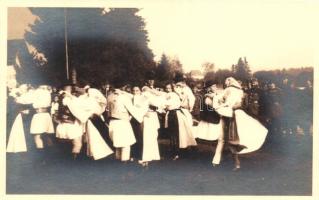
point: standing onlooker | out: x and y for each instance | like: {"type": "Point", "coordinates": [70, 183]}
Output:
{"type": "Point", "coordinates": [198, 105]}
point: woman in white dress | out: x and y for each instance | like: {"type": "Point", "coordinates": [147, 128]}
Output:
{"type": "Point", "coordinates": [22, 97]}
{"type": "Point", "coordinates": [139, 101]}
{"type": "Point", "coordinates": [211, 127]}
{"type": "Point", "coordinates": [151, 126]}
{"type": "Point", "coordinates": [178, 124]}
{"type": "Point", "coordinates": [243, 133]}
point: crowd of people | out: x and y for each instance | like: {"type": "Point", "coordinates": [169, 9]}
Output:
{"type": "Point", "coordinates": [128, 120]}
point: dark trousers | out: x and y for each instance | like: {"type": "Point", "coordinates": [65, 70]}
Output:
{"type": "Point", "coordinates": [173, 130]}
{"type": "Point", "coordinates": [137, 148]}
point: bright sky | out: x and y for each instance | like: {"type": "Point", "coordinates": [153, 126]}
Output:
{"type": "Point", "coordinates": [270, 33]}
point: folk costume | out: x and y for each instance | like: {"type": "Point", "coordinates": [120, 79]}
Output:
{"type": "Point", "coordinates": [151, 127]}
{"type": "Point", "coordinates": [243, 133]}
{"type": "Point", "coordinates": [121, 108]}
{"type": "Point", "coordinates": [41, 121]}
{"type": "Point", "coordinates": [23, 102]}
{"type": "Point", "coordinates": [82, 109]}
{"type": "Point", "coordinates": [69, 127]}
{"type": "Point", "coordinates": [178, 124]}
{"type": "Point", "coordinates": [211, 126]}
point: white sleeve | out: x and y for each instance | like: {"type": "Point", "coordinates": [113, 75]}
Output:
{"type": "Point", "coordinates": [191, 97]}
{"type": "Point", "coordinates": [134, 111]}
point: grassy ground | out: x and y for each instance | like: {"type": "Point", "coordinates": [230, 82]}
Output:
{"type": "Point", "coordinates": [282, 167]}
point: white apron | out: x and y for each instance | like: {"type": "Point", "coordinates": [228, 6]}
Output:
{"type": "Point", "coordinates": [208, 131]}
{"type": "Point", "coordinates": [150, 134]}
{"type": "Point", "coordinates": [69, 130]}
{"type": "Point", "coordinates": [121, 133]}
{"type": "Point", "coordinates": [41, 123]}
{"type": "Point", "coordinates": [17, 142]}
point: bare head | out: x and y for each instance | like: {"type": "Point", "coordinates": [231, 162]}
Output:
{"type": "Point", "coordinates": [136, 90]}
{"type": "Point", "coordinates": [169, 88]}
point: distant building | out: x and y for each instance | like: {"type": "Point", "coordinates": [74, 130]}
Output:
{"type": "Point", "coordinates": [196, 74]}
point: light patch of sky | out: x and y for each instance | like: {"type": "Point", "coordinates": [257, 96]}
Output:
{"type": "Point", "coordinates": [271, 35]}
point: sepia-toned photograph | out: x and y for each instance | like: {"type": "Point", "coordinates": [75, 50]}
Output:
{"type": "Point", "coordinates": [212, 98]}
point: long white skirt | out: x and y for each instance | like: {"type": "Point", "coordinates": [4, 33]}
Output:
{"type": "Point", "coordinates": [96, 146]}
{"type": "Point", "coordinates": [121, 133]}
{"type": "Point", "coordinates": [185, 128]}
{"type": "Point", "coordinates": [186, 135]}
{"type": "Point", "coordinates": [251, 133]}
{"type": "Point", "coordinates": [208, 131]}
{"type": "Point", "coordinates": [17, 142]}
{"type": "Point", "coordinates": [69, 130]}
{"type": "Point", "coordinates": [41, 123]}
{"type": "Point", "coordinates": [150, 134]}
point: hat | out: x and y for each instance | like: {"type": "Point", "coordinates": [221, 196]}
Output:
{"type": "Point", "coordinates": [209, 83]}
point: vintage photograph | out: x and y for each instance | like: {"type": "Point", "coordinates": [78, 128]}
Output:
{"type": "Point", "coordinates": [208, 98]}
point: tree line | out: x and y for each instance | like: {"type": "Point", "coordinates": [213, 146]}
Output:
{"type": "Point", "coordinates": [107, 45]}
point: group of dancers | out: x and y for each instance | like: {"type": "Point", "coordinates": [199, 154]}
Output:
{"type": "Point", "coordinates": [127, 124]}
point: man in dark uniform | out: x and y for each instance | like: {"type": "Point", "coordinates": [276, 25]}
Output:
{"type": "Point", "coordinates": [274, 108]}
{"type": "Point", "coordinates": [254, 94]}
{"type": "Point", "coordinates": [198, 105]}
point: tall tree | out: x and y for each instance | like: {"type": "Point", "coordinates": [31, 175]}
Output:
{"type": "Point", "coordinates": [163, 70]}
{"type": "Point", "coordinates": [241, 70]}
{"type": "Point", "coordinates": [176, 65]}
{"type": "Point", "coordinates": [101, 46]}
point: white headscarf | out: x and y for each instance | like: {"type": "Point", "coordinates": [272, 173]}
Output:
{"type": "Point", "coordinates": [232, 82]}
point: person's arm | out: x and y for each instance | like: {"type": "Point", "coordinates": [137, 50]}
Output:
{"type": "Point", "coordinates": [191, 98]}
{"type": "Point", "coordinates": [137, 113]}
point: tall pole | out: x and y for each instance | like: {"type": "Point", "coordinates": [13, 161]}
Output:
{"type": "Point", "coordinates": [66, 45]}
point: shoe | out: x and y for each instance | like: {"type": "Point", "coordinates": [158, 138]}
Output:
{"type": "Point", "coordinates": [237, 167]}
{"type": "Point", "coordinates": [215, 165]}
{"type": "Point", "coordinates": [145, 164]}
{"type": "Point", "coordinates": [74, 156]}
{"type": "Point", "coordinates": [176, 157]}
{"type": "Point", "coordinates": [125, 162]}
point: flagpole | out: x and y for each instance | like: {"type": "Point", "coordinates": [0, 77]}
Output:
{"type": "Point", "coordinates": [66, 45]}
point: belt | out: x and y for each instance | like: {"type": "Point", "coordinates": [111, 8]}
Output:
{"type": "Point", "coordinates": [41, 110]}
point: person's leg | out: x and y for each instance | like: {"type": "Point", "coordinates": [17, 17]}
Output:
{"type": "Point", "coordinates": [49, 139]}
{"type": "Point", "coordinates": [118, 153]}
{"type": "Point", "coordinates": [38, 141]}
{"type": "Point", "coordinates": [77, 145]}
{"type": "Point", "coordinates": [218, 152]}
{"type": "Point", "coordinates": [237, 162]}
{"type": "Point", "coordinates": [126, 152]}
{"type": "Point", "coordinates": [235, 155]}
